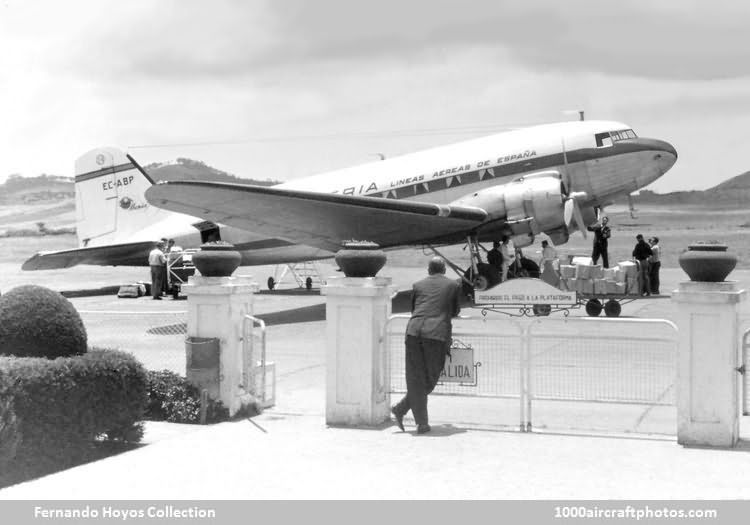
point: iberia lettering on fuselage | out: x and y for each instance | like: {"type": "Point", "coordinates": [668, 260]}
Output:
{"type": "Point", "coordinates": [372, 187]}
{"type": "Point", "coordinates": [111, 185]}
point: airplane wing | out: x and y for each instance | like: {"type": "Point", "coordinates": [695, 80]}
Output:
{"type": "Point", "coordinates": [130, 254]}
{"type": "Point", "coordinates": [323, 220]}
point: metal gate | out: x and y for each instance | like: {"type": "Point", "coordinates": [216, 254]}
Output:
{"type": "Point", "coordinates": [576, 373]}
{"type": "Point", "coordinates": [745, 376]}
{"type": "Point", "coordinates": [258, 375]}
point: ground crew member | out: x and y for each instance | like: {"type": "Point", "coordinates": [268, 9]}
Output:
{"type": "Point", "coordinates": [654, 265]}
{"type": "Point", "coordinates": [601, 236]}
{"type": "Point", "coordinates": [641, 253]}
{"type": "Point", "coordinates": [428, 339]}
{"type": "Point", "coordinates": [157, 261]}
{"type": "Point", "coordinates": [495, 259]}
{"type": "Point", "coordinates": [509, 254]}
{"type": "Point", "coordinates": [547, 264]}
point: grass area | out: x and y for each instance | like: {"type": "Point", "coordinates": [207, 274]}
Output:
{"type": "Point", "coordinates": [18, 249]}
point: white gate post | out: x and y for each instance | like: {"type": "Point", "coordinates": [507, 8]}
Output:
{"type": "Point", "coordinates": [357, 309]}
{"type": "Point", "coordinates": [217, 307]}
{"type": "Point", "coordinates": [707, 378]}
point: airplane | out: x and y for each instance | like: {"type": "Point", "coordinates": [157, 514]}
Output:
{"type": "Point", "coordinates": [550, 178]}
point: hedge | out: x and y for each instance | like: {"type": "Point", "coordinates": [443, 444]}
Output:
{"type": "Point", "coordinates": [172, 398]}
{"type": "Point", "coordinates": [38, 322]}
{"type": "Point", "coordinates": [63, 406]}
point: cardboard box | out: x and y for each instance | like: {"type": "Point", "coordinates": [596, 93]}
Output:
{"type": "Point", "coordinates": [600, 286]}
{"type": "Point", "coordinates": [597, 272]}
{"type": "Point", "coordinates": [582, 260]}
{"type": "Point", "coordinates": [588, 286]}
{"type": "Point", "coordinates": [632, 286]}
{"type": "Point", "coordinates": [567, 271]}
{"type": "Point", "coordinates": [629, 268]}
{"type": "Point", "coordinates": [610, 274]}
{"type": "Point", "coordinates": [615, 287]}
{"type": "Point", "coordinates": [583, 271]}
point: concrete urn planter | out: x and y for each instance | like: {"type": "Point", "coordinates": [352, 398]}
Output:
{"type": "Point", "coordinates": [707, 262]}
{"type": "Point", "coordinates": [217, 259]}
{"type": "Point", "coordinates": [360, 259]}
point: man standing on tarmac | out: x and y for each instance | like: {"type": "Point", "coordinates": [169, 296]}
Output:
{"type": "Point", "coordinates": [495, 259]}
{"type": "Point", "coordinates": [654, 265]}
{"type": "Point", "coordinates": [601, 240]}
{"type": "Point", "coordinates": [641, 253]}
{"type": "Point", "coordinates": [509, 254]}
{"type": "Point", "coordinates": [428, 339]}
{"type": "Point", "coordinates": [157, 261]}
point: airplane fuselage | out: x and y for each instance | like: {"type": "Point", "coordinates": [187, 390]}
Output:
{"type": "Point", "coordinates": [523, 180]}
{"type": "Point", "coordinates": [601, 168]}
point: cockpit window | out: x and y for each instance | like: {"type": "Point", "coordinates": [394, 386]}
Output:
{"type": "Point", "coordinates": [610, 137]}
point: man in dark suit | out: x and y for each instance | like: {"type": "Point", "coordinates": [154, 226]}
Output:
{"type": "Point", "coordinates": [495, 259]}
{"type": "Point", "coordinates": [428, 340]}
{"type": "Point", "coordinates": [602, 232]}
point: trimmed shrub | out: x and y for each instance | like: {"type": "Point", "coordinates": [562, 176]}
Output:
{"type": "Point", "coordinates": [172, 398]}
{"type": "Point", "coordinates": [39, 322]}
{"type": "Point", "coordinates": [10, 434]}
{"type": "Point", "coordinates": [64, 406]}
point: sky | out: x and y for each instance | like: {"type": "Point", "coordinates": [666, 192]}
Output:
{"type": "Point", "coordinates": [288, 88]}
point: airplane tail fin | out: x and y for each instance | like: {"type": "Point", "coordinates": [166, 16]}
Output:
{"type": "Point", "coordinates": [110, 202]}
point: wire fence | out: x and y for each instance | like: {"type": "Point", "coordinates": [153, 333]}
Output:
{"type": "Point", "coordinates": [156, 339]}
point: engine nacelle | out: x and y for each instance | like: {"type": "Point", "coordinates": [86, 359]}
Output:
{"type": "Point", "coordinates": [532, 204]}
{"type": "Point", "coordinates": [522, 241]}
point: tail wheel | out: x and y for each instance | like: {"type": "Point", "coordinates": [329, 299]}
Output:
{"type": "Point", "coordinates": [271, 283]}
{"type": "Point", "coordinates": [593, 307]}
{"type": "Point", "coordinates": [612, 308]}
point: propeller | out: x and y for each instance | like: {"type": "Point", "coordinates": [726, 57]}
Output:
{"type": "Point", "coordinates": [572, 212]}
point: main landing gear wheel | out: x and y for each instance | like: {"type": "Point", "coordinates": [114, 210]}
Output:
{"type": "Point", "coordinates": [486, 277]}
{"type": "Point", "coordinates": [612, 308]}
{"type": "Point", "coordinates": [542, 310]}
{"type": "Point", "coordinates": [593, 307]}
{"type": "Point", "coordinates": [308, 283]}
{"type": "Point", "coordinates": [271, 283]}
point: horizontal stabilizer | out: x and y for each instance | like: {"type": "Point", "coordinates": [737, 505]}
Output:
{"type": "Point", "coordinates": [130, 254]}
{"type": "Point", "coordinates": [323, 220]}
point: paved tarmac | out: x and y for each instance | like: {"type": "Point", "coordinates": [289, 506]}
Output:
{"type": "Point", "coordinates": [288, 452]}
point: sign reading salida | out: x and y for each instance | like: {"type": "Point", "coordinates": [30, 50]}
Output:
{"type": "Point", "coordinates": [459, 367]}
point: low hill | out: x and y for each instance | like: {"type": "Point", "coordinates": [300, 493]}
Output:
{"type": "Point", "coordinates": [188, 169]}
{"type": "Point", "coordinates": [47, 188]}
{"type": "Point", "coordinates": [44, 188]}
{"type": "Point", "coordinates": [732, 193]}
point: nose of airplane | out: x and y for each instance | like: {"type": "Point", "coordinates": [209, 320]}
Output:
{"type": "Point", "coordinates": [664, 153]}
